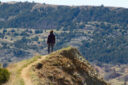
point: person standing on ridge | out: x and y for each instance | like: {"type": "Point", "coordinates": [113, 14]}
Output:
{"type": "Point", "coordinates": [51, 41]}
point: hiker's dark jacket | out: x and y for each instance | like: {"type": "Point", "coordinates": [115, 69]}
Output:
{"type": "Point", "coordinates": [51, 38]}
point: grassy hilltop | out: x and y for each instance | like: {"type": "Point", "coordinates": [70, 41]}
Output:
{"type": "Point", "coordinates": [63, 67]}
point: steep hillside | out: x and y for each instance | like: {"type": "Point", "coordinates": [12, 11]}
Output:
{"type": "Point", "coordinates": [63, 67]}
{"type": "Point", "coordinates": [34, 15]}
{"type": "Point", "coordinates": [100, 33]}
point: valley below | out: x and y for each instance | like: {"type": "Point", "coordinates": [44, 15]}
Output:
{"type": "Point", "coordinates": [114, 74]}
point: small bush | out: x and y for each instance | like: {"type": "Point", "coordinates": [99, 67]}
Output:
{"type": "Point", "coordinates": [4, 75]}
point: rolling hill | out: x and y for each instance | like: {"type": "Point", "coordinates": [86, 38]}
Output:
{"type": "Point", "coordinates": [100, 33]}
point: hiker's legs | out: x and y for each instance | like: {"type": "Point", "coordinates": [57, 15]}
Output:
{"type": "Point", "coordinates": [48, 48]}
{"type": "Point", "coordinates": [52, 46]}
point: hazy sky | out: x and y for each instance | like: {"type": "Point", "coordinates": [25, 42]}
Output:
{"type": "Point", "coordinates": [115, 3]}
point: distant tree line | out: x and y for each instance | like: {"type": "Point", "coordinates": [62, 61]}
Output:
{"type": "Point", "coordinates": [27, 15]}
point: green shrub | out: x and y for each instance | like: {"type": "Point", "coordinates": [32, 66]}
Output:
{"type": "Point", "coordinates": [4, 75]}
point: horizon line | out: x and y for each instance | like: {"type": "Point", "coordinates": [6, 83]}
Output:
{"type": "Point", "coordinates": [13, 2]}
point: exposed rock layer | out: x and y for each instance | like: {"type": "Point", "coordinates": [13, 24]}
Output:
{"type": "Point", "coordinates": [66, 67]}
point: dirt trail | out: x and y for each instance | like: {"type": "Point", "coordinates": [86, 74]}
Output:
{"type": "Point", "coordinates": [25, 72]}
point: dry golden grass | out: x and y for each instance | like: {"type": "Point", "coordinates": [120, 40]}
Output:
{"type": "Point", "coordinates": [15, 70]}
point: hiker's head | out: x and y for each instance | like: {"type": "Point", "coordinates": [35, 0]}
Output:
{"type": "Point", "coordinates": [51, 32]}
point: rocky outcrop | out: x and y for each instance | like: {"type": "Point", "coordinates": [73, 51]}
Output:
{"type": "Point", "coordinates": [65, 67]}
